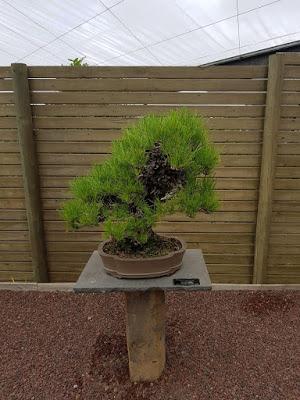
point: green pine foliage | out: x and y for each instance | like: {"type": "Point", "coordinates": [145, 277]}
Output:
{"type": "Point", "coordinates": [77, 62]}
{"type": "Point", "coordinates": [114, 193]}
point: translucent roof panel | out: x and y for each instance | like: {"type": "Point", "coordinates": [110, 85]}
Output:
{"type": "Point", "coordinates": [142, 32]}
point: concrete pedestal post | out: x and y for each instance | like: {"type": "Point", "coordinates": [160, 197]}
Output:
{"type": "Point", "coordinates": [145, 328]}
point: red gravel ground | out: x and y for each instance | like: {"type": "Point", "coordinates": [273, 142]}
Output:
{"type": "Point", "coordinates": [221, 345]}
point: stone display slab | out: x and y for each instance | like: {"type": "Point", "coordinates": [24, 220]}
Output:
{"type": "Point", "coordinates": [94, 279]}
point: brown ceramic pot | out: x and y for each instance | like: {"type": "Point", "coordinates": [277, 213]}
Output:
{"type": "Point", "coordinates": [134, 268]}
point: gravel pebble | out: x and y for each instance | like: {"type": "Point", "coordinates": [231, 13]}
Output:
{"type": "Point", "coordinates": [220, 346]}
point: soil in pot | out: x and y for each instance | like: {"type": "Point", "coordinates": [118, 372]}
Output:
{"type": "Point", "coordinates": [160, 256]}
{"type": "Point", "coordinates": [157, 246]}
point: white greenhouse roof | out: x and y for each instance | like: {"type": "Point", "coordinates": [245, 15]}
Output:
{"type": "Point", "coordinates": [142, 32]}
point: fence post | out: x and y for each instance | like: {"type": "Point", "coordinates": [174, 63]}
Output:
{"type": "Point", "coordinates": [29, 170]}
{"type": "Point", "coordinates": [268, 164]}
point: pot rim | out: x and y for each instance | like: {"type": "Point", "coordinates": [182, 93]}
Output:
{"type": "Point", "coordinates": [170, 254]}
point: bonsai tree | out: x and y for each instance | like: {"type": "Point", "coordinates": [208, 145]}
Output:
{"type": "Point", "coordinates": [161, 165]}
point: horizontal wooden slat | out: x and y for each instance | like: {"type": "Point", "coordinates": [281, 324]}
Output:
{"type": "Point", "coordinates": [292, 98]}
{"type": "Point", "coordinates": [63, 170]}
{"type": "Point", "coordinates": [105, 147]}
{"type": "Point", "coordinates": [287, 184]}
{"type": "Point", "coordinates": [237, 172]}
{"type": "Point", "coordinates": [285, 259]}
{"type": "Point", "coordinates": [285, 239]}
{"type": "Point", "coordinates": [282, 279]}
{"type": "Point", "coordinates": [290, 123]}
{"type": "Point", "coordinates": [109, 110]}
{"type": "Point", "coordinates": [284, 249]}
{"type": "Point", "coordinates": [287, 172]}
{"type": "Point", "coordinates": [9, 147]}
{"type": "Point", "coordinates": [6, 85]}
{"type": "Point", "coordinates": [286, 206]}
{"type": "Point", "coordinates": [285, 228]}
{"type": "Point", "coordinates": [147, 97]}
{"type": "Point", "coordinates": [228, 259]}
{"type": "Point", "coordinates": [14, 204]}
{"type": "Point", "coordinates": [77, 135]}
{"type": "Point", "coordinates": [235, 123]}
{"type": "Point", "coordinates": [74, 147]}
{"type": "Point", "coordinates": [8, 134]}
{"type": "Point", "coordinates": [11, 193]}
{"type": "Point", "coordinates": [289, 149]}
{"type": "Point", "coordinates": [132, 85]}
{"type": "Point", "coordinates": [291, 85]}
{"type": "Point", "coordinates": [13, 214]}
{"type": "Point", "coordinates": [11, 267]}
{"type": "Point", "coordinates": [6, 98]}
{"type": "Point", "coordinates": [72, 159]}
{"type": "Point", "coordinates": [95, 135]}
{"type": "Point", "coordinates": [291, 58]}
{"type": "Point", "coordinates": [7, 110]}
{"type": "Point", "coordinates": [122, 122]}
{"type": "Point", "coordinates": [292, 72]}
{"type": "Point", "coordinates": [234, 72]}
{"type": "Point", "coordinates": [5, 72]}
{"type": "Point", "coordinates": [231, 278]}
{"type": "Point", "coordinates": [286, 270]}
{"type": "Point", "coordinates": [10, 158]}
{"type": "Point", "coordinates": [16, 276]}
{"type": "Point", "coordinates": [65, 267]}
{"type": "Point", "coordinates": [57, 277]}
{"type": "Point", "coordinates": [286, 216]}
{"type": "Point", "coordinates": [13, 256]}
{"type": "Point", "coordinates": [13, 226]}
{"type": "Point", "coordinates": [8, 122]}
{"type": "Point", "coordinates": [288, 161]}
{"type": "Point", "coordinates": [11, 181]}
{"type": "Point", "coordinates": [82, 122]}
{"type": "Point", "coordinates": [289, 111]}
{"type": "Point", "coordinates": [284, 195]}
{"type": "Point", "coordinates": [14, 236]}
{"type": "Point", "coordinates": [229, 269]}
{"type": "Point", "coordinates": [242, 160]}
{"type": "Point", "coordinates": [14, 246]}
{"type": "Point", "coordinates": [289, 137]}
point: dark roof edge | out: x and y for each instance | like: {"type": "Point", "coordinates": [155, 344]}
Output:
{"type": "Point", "coordinates": [269, 50]}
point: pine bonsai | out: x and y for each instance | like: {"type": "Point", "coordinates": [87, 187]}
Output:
{"type": "Point", "coordinates": [161, 165]}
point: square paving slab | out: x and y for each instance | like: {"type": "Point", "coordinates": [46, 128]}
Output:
{"type": "Point", "coordinates": [193, 275]}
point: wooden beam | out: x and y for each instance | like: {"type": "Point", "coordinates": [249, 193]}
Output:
{"type": "Point", "coordinates": [29, 170]}
{"type": "Point", "coordinates": [268, 163]}
{"type": "Point", "coordinates": [146, 334]}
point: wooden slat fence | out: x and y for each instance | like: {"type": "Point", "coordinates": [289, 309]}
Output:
{"type": "Point", "coordinates": [76, 112]}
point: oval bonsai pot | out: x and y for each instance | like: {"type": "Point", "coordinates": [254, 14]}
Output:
{"type": "Point", "coordinates": [139, 267]}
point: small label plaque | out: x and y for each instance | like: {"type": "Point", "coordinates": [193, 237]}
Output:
{"type": "Point", "coordinates": [186, 282]}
